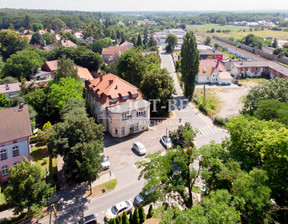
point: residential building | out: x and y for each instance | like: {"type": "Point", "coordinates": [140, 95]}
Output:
{"type": "Point", "coordinates": [84, 74]}
{"type": "Point", "coordinates": [52, 66]}
{"type": "Point", "coordinates": [15, 130]}
{"type": "Point", "coordinates": [67, 43]}
{"type": "Point", "coordinates": [112, 52]}
{"type": "Point", "coordinates": [118, 105]}
{"type": "Point", "coordinates": [271, 69]}
{"type": "Point", "coordinates": [228, 62]}
{"type": "Point", "coordinates": [212, 71]}
{"type": "Point", "coordinates": [10, 89]}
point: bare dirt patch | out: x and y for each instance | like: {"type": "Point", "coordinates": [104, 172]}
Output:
{"type": "Point", "coordinates": [102, 188]}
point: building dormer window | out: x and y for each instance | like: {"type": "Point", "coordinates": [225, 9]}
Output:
{"type": "Point", "coordinates": [14, 141]}
{"type": "Point", "coordinates": [125, 97]}
{"type": "Point", "coordinates": [113, 100]}
{"type": "Point", "coordinates": [135, 95]}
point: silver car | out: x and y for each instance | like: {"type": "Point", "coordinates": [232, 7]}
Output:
{"type": "Point", "coordinates": [166, 141]}
{"type": "Point", "coordinates": [139, 148]}
{"type": "Point", "coordinates": [105, 162]}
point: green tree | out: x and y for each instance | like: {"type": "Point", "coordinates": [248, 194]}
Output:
{"type": "Point", "coordinates": [58, 24]}
{"type": "Point", "coordinates": [72, 105]}
{"type": "Point", "coordinates": [66, 68]}
{"type": "Point", "coordinates": [139, 40]}
{"type": "Point", "coordinates": [158, 84]}
{"type": "Point", "coordinates": [27, 189]}
{"type": "Point", "coordinates": [275, 43]}
{"type": "Point", "coordinates": [80, 141]}
{"type": "Point", "coordinates": [11, 42]}
{"type": "Point", "coordinates": [64, 90]}
{"type": "Point", "coordinates": [49, 38]}
{"type": "Point", "coordinates": [145, 36]}
{"type": "Point", "coordinates": [142, 214]}
{"type": "Point", "coordinates": [37, 39]}
{"type": "Point", "coordinates": [123, 63]}
{"type": "Point", "coordinates": [152, 42]}
{"type": "Point", "coordinates": [136, 219]}
{"type": "Point", "coordinates": [22, 64]}
{"type": "Point", "coordinates": [8, 80]}
{"type": "Point", "coordinates": [98, 45]}
{"type": "Point", "coordinates": [125, 219]}
{"type": "Point", "coordinates": [171, 40]}
{"type": "Point", "coordinates": [150, 211]}
{"type": "Point", "coordinates": [190, 60]}
{"type": "Point", "coordinates": [37, 26]}
{"type": "Point", "coordinates": [171, 175]}
{"type": "Point", "coordinates": [118, 220]}
{"type": "Point", "coordinates": [27, 22]}
{"type": "Point", "coordinates": [4, 101]}
{"type": "Point", "coordinates": [208, 40]}
{"type": "Point", "coordinates": [183, 136]}
{"type": "Point", "coordinates": [131, 218]}
{"type": "Point", "coordinates": [217, 208]}
{"type": "Point", "coordinates": [253, 195]}
{"type": "Point", "coordinates": [273, 89]}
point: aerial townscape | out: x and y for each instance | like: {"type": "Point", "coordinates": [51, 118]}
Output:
{"type": "Point", "coordinates": [154, 112]}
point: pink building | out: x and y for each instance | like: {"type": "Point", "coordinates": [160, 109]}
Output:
{"type": "Point", "coordinates": [15, 130]}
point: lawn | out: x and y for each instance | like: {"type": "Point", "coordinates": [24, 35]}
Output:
{"type": "Point", "coordinates": [102, 188]}
{"type": "Point", "coordinates": [238, 31]}
{"type": "Point", "coordinates": [212, 102]}
{"type": "Point", "coordinates": [40, 156]}
{"type": "Point", "coordinates": [2, 199]}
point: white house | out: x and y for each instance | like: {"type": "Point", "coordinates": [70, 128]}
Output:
{"type": "Point", "coordinates": [212, 71]}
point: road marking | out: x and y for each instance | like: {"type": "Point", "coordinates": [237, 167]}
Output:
{"type": "Point", "coordinates": [206, 130]}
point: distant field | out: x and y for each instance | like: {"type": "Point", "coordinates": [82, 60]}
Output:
{"type": "Point", "coordinates": [238, 31]}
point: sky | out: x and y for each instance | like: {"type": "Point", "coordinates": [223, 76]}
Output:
{"type": "Point", "coordinates": [148, 5]}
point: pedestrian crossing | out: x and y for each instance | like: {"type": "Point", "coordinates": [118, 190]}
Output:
{"type": "Point", "coordinates": [205, 130]}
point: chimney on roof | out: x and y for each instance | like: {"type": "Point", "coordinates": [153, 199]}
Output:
{"type": "Point", "coordinates": [110, 82]}
{"type": "Point", "coordinates": [101, 78]}
{"type": "Point", "coordinates": [116, 87]}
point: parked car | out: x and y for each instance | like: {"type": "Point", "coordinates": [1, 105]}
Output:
{"type": "Point", "coordinates": [143, 198]}
{"type": "Point", "coordinates": [105, 162]}
{"type": "Point", "coordinates": [90, 219]}
{"type": "Point", "coordinates": [139, 148]}
{"type": "Point", "coordinates": [118, 209]}
{"type": "Point", "coordinates": [166, 141]}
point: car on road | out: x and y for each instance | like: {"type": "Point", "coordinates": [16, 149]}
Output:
{"type": "Point", "coordinates": [118, 209]}
{"type": "Point", "coordinates": [90, 219]}
{"type": "Point", "coordinates": [166, 141]}
{"type": "Point", "coordinates": [143, 198]}
{"type": "Point", "coordinates": [139, 148]}
{"type": "Point", "coordinates": [105, 162]}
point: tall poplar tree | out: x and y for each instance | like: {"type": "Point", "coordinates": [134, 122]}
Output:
{"type": "Point", "coordinates": [190, 60]}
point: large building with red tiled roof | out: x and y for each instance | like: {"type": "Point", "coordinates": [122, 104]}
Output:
{"type": "Point", "coordinates": [118, 105]}
{"type": "Point", "coordinates": [112, 52]}
{"type": "Point", "coordinates": [212, 71]}
{"type": "Point", "coordinates": [15, 130]}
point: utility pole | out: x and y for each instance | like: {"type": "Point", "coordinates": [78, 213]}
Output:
{"type": "Point", "coordinates": [204, 98]}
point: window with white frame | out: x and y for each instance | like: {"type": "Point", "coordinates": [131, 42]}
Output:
{"type": "Point", "coordinates": [15, 151]}
{"type": "Point", "coordinates": [141, 112]}
{"type": "Point", "coordinates": [126, 116]}
{"type": "Point", "coordinates": [123, 131]}
{"type": "Point", "coordinates": [4, 171]}
{"type": "Point", "coordinates": [3, 154]}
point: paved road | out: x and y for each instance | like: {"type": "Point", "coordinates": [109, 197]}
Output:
{"type": "Point", "coordinates": [206, 130]}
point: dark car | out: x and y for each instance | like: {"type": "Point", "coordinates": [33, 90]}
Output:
{"type": "Point", "coordinates": [90, 219]}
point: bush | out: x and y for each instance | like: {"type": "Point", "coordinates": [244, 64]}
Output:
{"type": "Point", "coordinates": [150, 211]}
{"type": "Point", "coordinates": [142, 214]}
{"type": "Point", "coordinates": [219, 121]}
{"type": "Point", "coordinates": [33, 139]}
{"type": "Point", "coordinates": [203, 109]}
